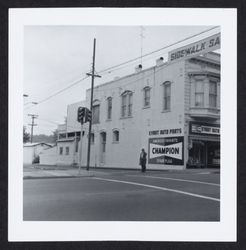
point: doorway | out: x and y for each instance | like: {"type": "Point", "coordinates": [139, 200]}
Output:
{"type": "Point", "coordinates": [204, 154]}
{"type": "Point", "coordinates": [197, 154]}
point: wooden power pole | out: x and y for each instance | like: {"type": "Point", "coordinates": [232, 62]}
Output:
{"type": "Point", "coordinates": [91, 104]}
{"type": "Point", "coordinates": [32, 125]}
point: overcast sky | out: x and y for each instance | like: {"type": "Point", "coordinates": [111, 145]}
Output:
{"type": "Point", "coordinates": [56, 56]}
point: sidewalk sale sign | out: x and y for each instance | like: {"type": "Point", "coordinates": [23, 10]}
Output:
{"type": "Point", "coordinates": [194, 49]}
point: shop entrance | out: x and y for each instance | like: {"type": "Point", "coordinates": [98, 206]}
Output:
{"type": "Point", "coordinates": [213, 152]}
{"type": "Point", "coordinates": [103, 136]}
{"type": "Point", "coordinates": [204, 154]}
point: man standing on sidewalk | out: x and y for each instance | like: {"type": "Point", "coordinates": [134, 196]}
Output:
{"type": "Point", "coordinates": [142, 160]}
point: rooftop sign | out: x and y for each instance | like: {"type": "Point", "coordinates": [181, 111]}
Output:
{"type": "Point", "coordinates": [194, 49]}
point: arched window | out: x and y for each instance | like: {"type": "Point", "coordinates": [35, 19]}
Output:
{"type": "Point", "coordinates": [96, 112]}
{"type": "Point", "coordinates": [146, 96]}
{"type": "Point", "coordinates": [116, 136]}
{"type": "Point", "coordinates": [126, 104]}
{"type": "Point", "coordinates": [109, 108]}
{"type": "Point", "coordinates": [167, 96]}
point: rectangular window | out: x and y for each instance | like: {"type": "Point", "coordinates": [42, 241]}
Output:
{"type": "Point", "coordinates": [212, 94]}
{"type": "Point", "coordinates": [61, 151]}
{"type": "Point", "coordinates": [109, 108]}
{"type": "Point", "coordinates": [199, 94]}
{"type": "Point", "coordinates": [146, 97]}
{"type": "Point", "coordinates": [126, 104]}
{"type": "Point", "coordinates": [130, 104]}
{"type": "Point", "coordinates": [167, 95]}
{"type": "Point", "coordinates": [95, 114]}
{"type": "Point", "coordinates": [67, 150]}
{"type": "Point", "coordinates": [123, 106]}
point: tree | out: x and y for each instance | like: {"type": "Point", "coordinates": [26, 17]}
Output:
{"type": "Point", "coordinates": [55, 135]}
{"type": "Point", "coordinates": [26, 135]}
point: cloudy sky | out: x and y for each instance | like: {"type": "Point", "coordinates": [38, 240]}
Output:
{"type": "Point", "coordinates": [57, 56]}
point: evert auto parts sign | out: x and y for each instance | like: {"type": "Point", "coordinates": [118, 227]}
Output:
{"type": "Point", "coordinates": [194, 49]}
{"type": "Point", "coordinates": [166, 150]}
{"type": "Point", "coordinates": [204, 128]}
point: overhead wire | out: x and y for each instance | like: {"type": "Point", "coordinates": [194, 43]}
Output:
{"type": "Point", "coordinates": [56, 123]}
{"type": "Point", "coordinates": [114, 67]}
{"type": "Point", "coordinates": [60, 91]}
{"type": "Point", "coordinates": [162, 48]}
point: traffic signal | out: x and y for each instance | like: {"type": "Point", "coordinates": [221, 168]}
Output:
{"type": "Point", "coordinates": [88, 115]}
{"type": "Point", "coordinates": [81, 114]}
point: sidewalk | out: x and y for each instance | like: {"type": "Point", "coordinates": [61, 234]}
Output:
{"type": "Point", "coordinates": [44, 171]}
{"type": "Point", "coordinates": [36, 172]}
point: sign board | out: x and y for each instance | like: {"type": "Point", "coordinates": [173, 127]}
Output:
{"type": "Point", "coordinates": [166, 150]}
{"type": "Point", "coordinates": [194, 49]}
{"type": "Point", "coordinates": [171, 131]}
{"type": "Point", "coordinates": [204, 128]}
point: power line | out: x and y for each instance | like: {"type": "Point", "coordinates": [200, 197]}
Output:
{"type": "Point", "coordinates": [113, 68]}
{"type": "Point", "coordinates": [152, 52]}
{"type": "Point", "coordinates": [60, 91]}
{"type": "Point", "coordinates": [56, 123]}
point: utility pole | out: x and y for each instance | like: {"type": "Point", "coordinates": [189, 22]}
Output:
{"type": "Point", "coordinates": [80, 153]}
{"type": "Point", "coordinates": [32, 125]}
{"type": "Point", "coordinates": [91, 105]}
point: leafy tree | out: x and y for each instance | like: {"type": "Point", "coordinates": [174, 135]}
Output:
{"type": "Point", "coordinates": [26, 135]}
{"type": "Point", "coordinates": [55, 136]}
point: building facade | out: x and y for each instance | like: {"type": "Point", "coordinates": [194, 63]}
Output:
{"type": "Point", "coordinates": [33, 150]}
{"type": "Point", "coordinates": [172, 110]}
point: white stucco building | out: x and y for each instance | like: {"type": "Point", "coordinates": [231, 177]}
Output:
{"type": "Point", "coordinates": [33, 150]}
{"type": "Point", "coordinates": [171, 109]}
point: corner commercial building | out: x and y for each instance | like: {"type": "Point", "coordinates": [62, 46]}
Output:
{"type": "Point", "coordinates": [171, 109]}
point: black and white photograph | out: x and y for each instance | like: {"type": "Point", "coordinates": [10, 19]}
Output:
{"type": "Point", "coordinates": [122, 124]}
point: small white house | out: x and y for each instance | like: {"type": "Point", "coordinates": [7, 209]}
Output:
{"type": "Point", "coordinates": [32, 150]}
{"type": "Point", "coordinates": [48, 156]}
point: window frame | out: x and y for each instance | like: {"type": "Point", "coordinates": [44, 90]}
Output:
{"type": "Point", "coordinates": [60, 150]}
{"type": "Point", "coordinates": [166, 98]}
{"type": "Point", "coordinates": [109, 108]}
{"type": "Point", "coordinates": [77, 144]}
{"type": "Point", "coordinates": [93, 114]}
{"type": "Point", "coordinates": [67, 150]}
{"type": "Point", "coordinates": [214, 95]}
{"type": "Point", "coordinates": [116, 135]}
{"type": "Point", "coordinates": [123, 105]}
{"type": "Point", "coordinates": [201, 93]}
{"type": "Point", "coordinates": [92, 138]}
{"type": "Point", "coordinates": [129, 109]}
{"type": "Point", "coordinates": [145, 97]}
{"type": "Point", "coordinates": [126, 104]}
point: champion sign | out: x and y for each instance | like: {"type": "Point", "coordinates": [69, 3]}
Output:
{"type": "Point", "coordinates": [167, 150]}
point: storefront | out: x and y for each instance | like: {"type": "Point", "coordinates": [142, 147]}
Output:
{"type": "Point", "coordinates": [204, 145]}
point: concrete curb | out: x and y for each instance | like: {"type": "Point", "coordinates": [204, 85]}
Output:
{"type": "Point", "coordinates": [56, 177]}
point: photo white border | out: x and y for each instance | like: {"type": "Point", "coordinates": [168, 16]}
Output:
{"type": "Point", "coordinates": [225, 230]}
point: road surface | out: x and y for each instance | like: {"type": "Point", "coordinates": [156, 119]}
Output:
{"type": "Point", "coordinates": [124, 196]}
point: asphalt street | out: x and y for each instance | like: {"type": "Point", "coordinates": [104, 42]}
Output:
{"type": "Point", "coordinates": [124, 196]}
